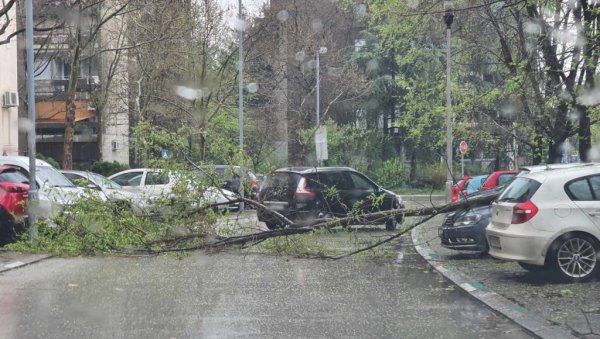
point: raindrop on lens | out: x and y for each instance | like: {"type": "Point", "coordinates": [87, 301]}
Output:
{"type": "Point", "coordinates": [188, 93]}
{"type": "Point", "coordinates": [413, 3]}
{"type": "Point", "coordinates": [316, 24]}
{"type": "Point", "coordinates": [252, 87]}
{"type": "Point", "coordinates": [372, 65]}
{"type": "Point", "coordinates": [300, 56]}
{"type": "Point", "coordinates": [360, 11]}
{"type": "Point", "coordinates": [25, 125]}
{"type": "Point", "coordinates": [283, 15]}
{"type": "Point", "coordinates": [238, 24]}
{"type": "Point", "coordinates": [532, 28]}
{"type": "Point", "coordinates": [508, 110]}
{"type": "Point", "coordinates": [594, 153]}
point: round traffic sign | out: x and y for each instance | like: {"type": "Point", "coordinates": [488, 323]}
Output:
{"type": "Point", "coordinates": [463, 147]}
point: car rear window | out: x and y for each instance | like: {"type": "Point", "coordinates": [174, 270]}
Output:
{"type": "Point", "coordinates": [280, 185]}
{"type": "Point", "coordinates": [13, 175]}
{"type": "Point", "coordinates": [520, 190]}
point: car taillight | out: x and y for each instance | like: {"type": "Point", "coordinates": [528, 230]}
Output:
{"type": "Point", "coordinates": [523, 212]}
{"type": "Point", "coordinates": [302, 191]}
{"type": "Point", "coordinates": [252, 183]}
{"type": "Point", "coordinates": [12, 188]}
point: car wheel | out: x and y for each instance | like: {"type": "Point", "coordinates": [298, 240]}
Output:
{"type": "Point", "coordinates": [532, 268]}
{"type": "Point", "coordinates": [574, 257]}
{"type": "Point", "coordinates": [391, 224]}
{"type": "Point", "coordinates": [6, 229]}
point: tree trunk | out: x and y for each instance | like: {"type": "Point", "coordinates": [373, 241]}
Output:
{"type": "Point", "coordinates": [538, 144]}
{"type": "Point", "coordinates": [67, 162]}
{"type": "Point", "coordinates": [585, 135]}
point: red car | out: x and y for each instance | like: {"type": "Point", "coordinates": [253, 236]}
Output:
{"type": "Point", "coordinates": [498, 178]}
{"type": "Point", "coordinates": [456, 190]}
{"type": "Point", "coordinates": [14, 189]}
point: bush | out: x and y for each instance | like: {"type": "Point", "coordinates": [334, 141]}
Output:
{"type": "Point", "coordinates": [391, 174]}
{"type": "Point", "coordinates": [108, 168]}
{"type": "Point", "coordinates": [433, 175]}
{"type": "Point", "coordinates": [49, 160]}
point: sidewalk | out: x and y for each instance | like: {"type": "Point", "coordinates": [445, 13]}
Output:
{"type": "Point", "coordinates": [11, 260]}
{"type": "Point", "coordinates": [539, 303]}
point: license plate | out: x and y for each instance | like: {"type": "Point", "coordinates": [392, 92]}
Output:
{"type": "Point", "coordinates": [494, 241]}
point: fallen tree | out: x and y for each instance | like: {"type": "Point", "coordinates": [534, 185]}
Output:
{"type": "Point", "coordinates": [296, 228]}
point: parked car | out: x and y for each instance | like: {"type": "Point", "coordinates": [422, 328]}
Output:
{"type": "Point", "coordinates": [457, 189]}
{"type": "Point", "coordinates": [235, 177]}
{"type": "Point", "coordinates": [305, 193]}
{"type": "Point", "coordinates": [113, 191]}
{"type": "Point", "coordinates": [474, 184]}
{"type": "Point", "coordinates": [551, 220]}
{"type": "Point", "coordinates": [55, 191]}
{"type": "Point", "coordinates": [498, 178]}
{"type": "Point", "coordinates": [150, 184]}
{"type": "Point", "coordinates": [14, 190]}
{"type": "Point", "coordinates": [465, 229]}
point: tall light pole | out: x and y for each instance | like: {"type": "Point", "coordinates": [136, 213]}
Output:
{"type": "Point", "coordinates": [448, 19]}
{"type": "Point", "coordinates": [241, 27]}
{"type": "Point", "coordinates": [31, 115]}
{"type": "Point", "coordinates": [241, 73]}
{"type": "Point", "coordinates": [321, 50]}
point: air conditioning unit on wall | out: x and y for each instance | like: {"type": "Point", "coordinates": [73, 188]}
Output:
{"type": "Point", "coordinates": [10, 99]}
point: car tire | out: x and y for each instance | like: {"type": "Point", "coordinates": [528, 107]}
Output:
{"type": "Point", "coordinates": [7, 232]}
{"type": "Point", "coordinates": [272, 225]}
{"type": "Point", "coordinates": [391, 224]}
{"type": "Point", "coordinates": [574, 257]}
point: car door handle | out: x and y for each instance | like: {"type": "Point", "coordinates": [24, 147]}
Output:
{"type": "Point", "coordinates": [594, 213]}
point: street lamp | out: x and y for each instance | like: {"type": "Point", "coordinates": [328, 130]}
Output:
{"type": "Point", "coordinates": [321, 50]}
{"type": "Point", "coordinates": [448, 19]}
{"type": "Point", "coordinates": [241, 73]}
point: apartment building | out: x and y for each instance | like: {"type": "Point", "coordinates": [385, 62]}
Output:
{"type": "Point", "coordinates": [9, 98]}
{"type": "Point", "coordinates": [101, 129]}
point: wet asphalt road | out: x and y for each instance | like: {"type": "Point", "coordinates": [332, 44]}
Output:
{"type": "Point", "coordinates": [232, 294]}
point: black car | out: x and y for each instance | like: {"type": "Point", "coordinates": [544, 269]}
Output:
{"type": "Point", "coordinates": [306, 193]}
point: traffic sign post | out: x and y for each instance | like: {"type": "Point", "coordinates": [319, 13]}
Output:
{"type": "Point", "coordinates": [321, 144]}
{"type": "Point", "coordinates": [463, 147]}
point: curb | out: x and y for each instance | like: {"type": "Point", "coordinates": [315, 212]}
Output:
{"type": "Point", "coordinates": [531, 322]}
{"type": "Point", "coordinates": [16, 264]}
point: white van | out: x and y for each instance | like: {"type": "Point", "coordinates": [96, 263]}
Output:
{"type": "Point", "coordinates": [55, 191]}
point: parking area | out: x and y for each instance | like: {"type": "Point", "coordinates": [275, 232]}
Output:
{"type": "Point", "coordinates": [574, 306]}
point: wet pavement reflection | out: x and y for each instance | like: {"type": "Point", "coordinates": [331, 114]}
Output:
{"type": "Point", "coordinates": [231, 294]}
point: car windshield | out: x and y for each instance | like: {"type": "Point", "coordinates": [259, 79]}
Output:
{"type": "Point", "coordinates": [520, 190]}
{"type": "Point", "coordinates": [52, 177]}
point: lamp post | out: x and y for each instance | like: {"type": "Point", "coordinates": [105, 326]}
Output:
{"type": "Point", "coordinates": [33, 192]}
{"type": "Point", "coordinates": [321, 50]}
{"type": "Point", "coordinates": [241, 73]}
{"type": "Point", "coordinates": [241, 86]}
{"type": "Point", "coordinates": [448, 19]}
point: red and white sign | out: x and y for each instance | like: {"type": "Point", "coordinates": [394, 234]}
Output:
{"type": "Point", "coordinates": [463, 147]}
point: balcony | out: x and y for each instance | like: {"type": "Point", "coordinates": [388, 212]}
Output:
{"type": "Point", "coordinates": [58, 87]}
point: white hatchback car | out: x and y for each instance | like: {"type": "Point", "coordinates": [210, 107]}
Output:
{"type": "Point", "coordinates": [550, 220]}
{"type": "Point", "coordinates": [151, 183]}
{"type": "Point", "coordinates": [55, 190]}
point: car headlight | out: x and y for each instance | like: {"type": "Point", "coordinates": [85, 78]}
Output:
{"type": "Point", "coordinates": [468, 219]}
